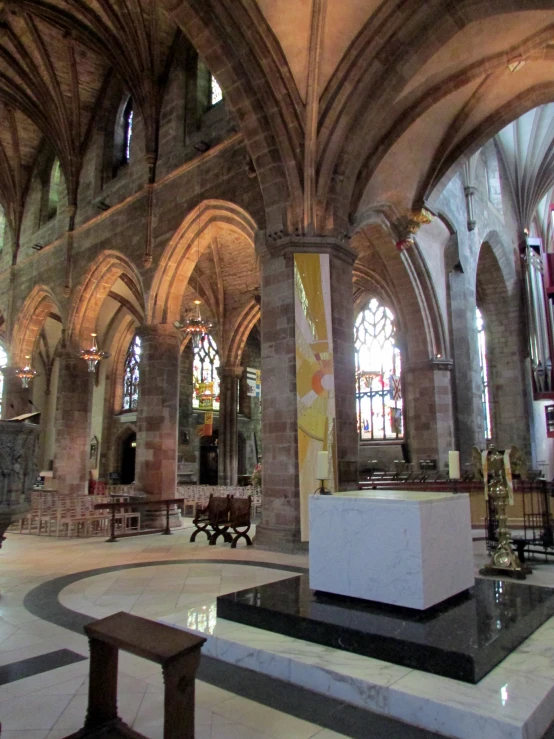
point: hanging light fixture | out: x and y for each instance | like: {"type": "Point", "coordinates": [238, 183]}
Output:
{"type": "Point", "coordinates": [195, 326]}
{"type": "Point", "coordinates": [25, 374]}
{"type": "Point", "coordinates": [93, 355]}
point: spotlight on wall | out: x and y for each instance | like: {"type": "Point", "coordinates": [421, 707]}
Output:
{"type": "Point", "coordinates": [37, 247]}
{"type": "Point", "coordinates": [102, 205]}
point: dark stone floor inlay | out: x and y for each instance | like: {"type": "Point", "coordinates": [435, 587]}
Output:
{"type": "Point", "coordinates": [463, 638]}
{"type": "Point", "coordinates": [35, 665]}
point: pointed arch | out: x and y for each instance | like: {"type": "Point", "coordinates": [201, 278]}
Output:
{"type": "Point", "coordinates": [240, 49]}
{"type": "Point", "coordinates": [181, 254]}
{"type": "Point", "coordinates": [38, 306]}
{"type": "Point", "coordinates": [108, 267]}
{"type": "Point", "coordinates": [240, 333]}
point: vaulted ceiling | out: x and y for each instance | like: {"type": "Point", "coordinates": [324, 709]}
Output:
{"type": "Point", "coordinates": [342, 105]}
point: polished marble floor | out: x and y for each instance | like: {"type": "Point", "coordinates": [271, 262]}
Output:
{"type": "Point", "coordinates": [46, 583]}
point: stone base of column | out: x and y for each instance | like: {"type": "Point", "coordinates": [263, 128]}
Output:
{"type": "Point", "coordinates": [276, 539]}
{"type": "Point", "coordinates": [157, 519]}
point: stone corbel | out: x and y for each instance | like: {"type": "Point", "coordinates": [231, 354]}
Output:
{"type": "Point", "coordinates": [410, 225]}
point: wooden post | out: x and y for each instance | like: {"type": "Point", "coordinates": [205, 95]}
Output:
{"type": "Point", "coordinates": [102, 689]}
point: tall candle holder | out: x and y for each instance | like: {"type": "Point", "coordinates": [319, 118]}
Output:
{"type": "Point", "coordinates": [496, 472]}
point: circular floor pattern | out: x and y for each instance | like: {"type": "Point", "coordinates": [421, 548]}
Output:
{"type": "Point", "coordinates": [43, 601]}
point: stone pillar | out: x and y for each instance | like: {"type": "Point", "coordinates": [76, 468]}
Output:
{"type": "Point", "coordinates": [467, 376]}
{"type": "Point", "coordinates": [280, 526]}
{"type": "Point", "coordinates": [228, 425]}
{"type": "Point", "coordinates": [16, 397]}
{"type": "Point", "coordinates": [72, 424]}
{"type": "Point", "coordinates": [429, 417]}
{"type": "Point", "coordinates": [157, 412]}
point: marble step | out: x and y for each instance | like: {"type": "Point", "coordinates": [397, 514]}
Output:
{"type": "Point", "coordinates": [514, 701]}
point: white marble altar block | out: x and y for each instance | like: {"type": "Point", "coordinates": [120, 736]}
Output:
{"type": "Point", "coordinates": [405, 548]}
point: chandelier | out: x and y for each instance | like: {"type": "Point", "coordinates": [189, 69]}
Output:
{"type": "Point", "coordinates": [195, 326]}
{"type": "Point", "coordinates": [25, 374]}
{"type": "Point", "coordinates": [93, 355]}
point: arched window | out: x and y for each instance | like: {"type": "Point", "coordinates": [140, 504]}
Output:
{"type": "Point", "coordinates": [3, 363]}
{"type": "Point", "coordinates": [131, 376]}
{"type": "Point", "coordinates": [205, 375]}
{"type": "Point", "coordinates": [54, 189]}
{"type": "Point", "coordinates": [483, 364]}
{"type": "Point", "coordinates": [216, 93]}
{"type": "Point", "coordinates": [127, 130]}
{"type": "Point", "coordinates": [2, 229]}
{"type": "Point", "coordinates": [123, 135]}
{"type": "Point", "coordinates": [378, 385]}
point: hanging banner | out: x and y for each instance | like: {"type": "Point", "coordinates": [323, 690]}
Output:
{"type": "Point", "coordinates": [315, 385]}
{"type": "Point", "coordinates": [254, 382]}
{"type": "Point", "coordinates": [206, 428]}
{"type": "Point", "coordinates": [205, 395]}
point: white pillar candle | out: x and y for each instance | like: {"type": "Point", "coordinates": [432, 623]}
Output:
{"type": "Point", "coordinates": [323, 465]}
{"type": "Point", "coordinates": [454, 465]}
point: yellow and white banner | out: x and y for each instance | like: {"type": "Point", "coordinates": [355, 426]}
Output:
{"type": "Point", "coordinates": [315, 382]}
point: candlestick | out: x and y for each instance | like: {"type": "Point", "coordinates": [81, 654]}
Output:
{"type": "Point", "coordinates": [454, 465]}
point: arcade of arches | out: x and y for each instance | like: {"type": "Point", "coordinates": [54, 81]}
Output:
{"type": "Point", "coordinates": [191, 160]}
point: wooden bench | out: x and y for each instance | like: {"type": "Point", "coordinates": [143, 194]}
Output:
{"type": "Point", "coordinates": [222, 514]}
{"type": "Point", "coordinates": [178, 653]}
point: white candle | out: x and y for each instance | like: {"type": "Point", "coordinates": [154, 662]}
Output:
{"type": "Point", "coordinates": [454, 465]}
{"type": "Point", "coordinates": [323, 465]}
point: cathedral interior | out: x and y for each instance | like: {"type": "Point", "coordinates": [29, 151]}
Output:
{"type": "Point", "coordinates": [188, 190]}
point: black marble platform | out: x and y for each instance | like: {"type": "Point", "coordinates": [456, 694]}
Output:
{"type": "Point", "coordinates": [462, 638]}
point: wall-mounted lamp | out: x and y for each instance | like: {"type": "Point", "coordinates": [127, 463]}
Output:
{"type": "Point", "coordinates": [37, 247]}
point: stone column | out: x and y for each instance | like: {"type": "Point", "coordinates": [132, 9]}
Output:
{"type": "Point", "coordinates": [280, 526]}
{"type": "Point", "coordinates": [72, 424]}
{"type": "Point", "coordinates": [429, 417]}
{"type": "Point", "coordinates": [228, 425]}
{"type": "Point", "coordinates": [157, 412]}
{"type": "Point", "coordinates": [467, 376]}
{"type": "Point", "coordinates": [16, 397]}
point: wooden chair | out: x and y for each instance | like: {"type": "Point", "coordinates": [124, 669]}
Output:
{"type": "Point", "coordinates": [239, 520]}
{"type": "Point", "coordinates": [214, 515]}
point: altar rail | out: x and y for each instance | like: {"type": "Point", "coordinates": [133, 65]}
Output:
{"type": "Point", "coordinates": [530, 517]}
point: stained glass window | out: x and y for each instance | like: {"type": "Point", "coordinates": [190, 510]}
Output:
{"type": "Point", "coordinates": [131, 376]}
{"type": "Point", "coordinates": [128, 128]}
{"type": "Point", "coordinates": [216, 93]}
{"type": "Point", "coordinates": [378, 383]}
{"type": "Point", "coordinates": [3, 363]}
{"type": "Point", "coordinates": [205, 374]}
{"type": "Point", "coordinates": [483, 364]}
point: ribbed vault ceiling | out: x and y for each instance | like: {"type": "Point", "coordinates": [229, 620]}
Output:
{"type": "Point", "coordinates": [358, 102]}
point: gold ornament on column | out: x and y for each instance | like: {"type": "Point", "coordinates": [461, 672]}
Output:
{"type": "Point", "coordinates": [26, 373]}
{"type": "Point", "coordinates": [93, 355]}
